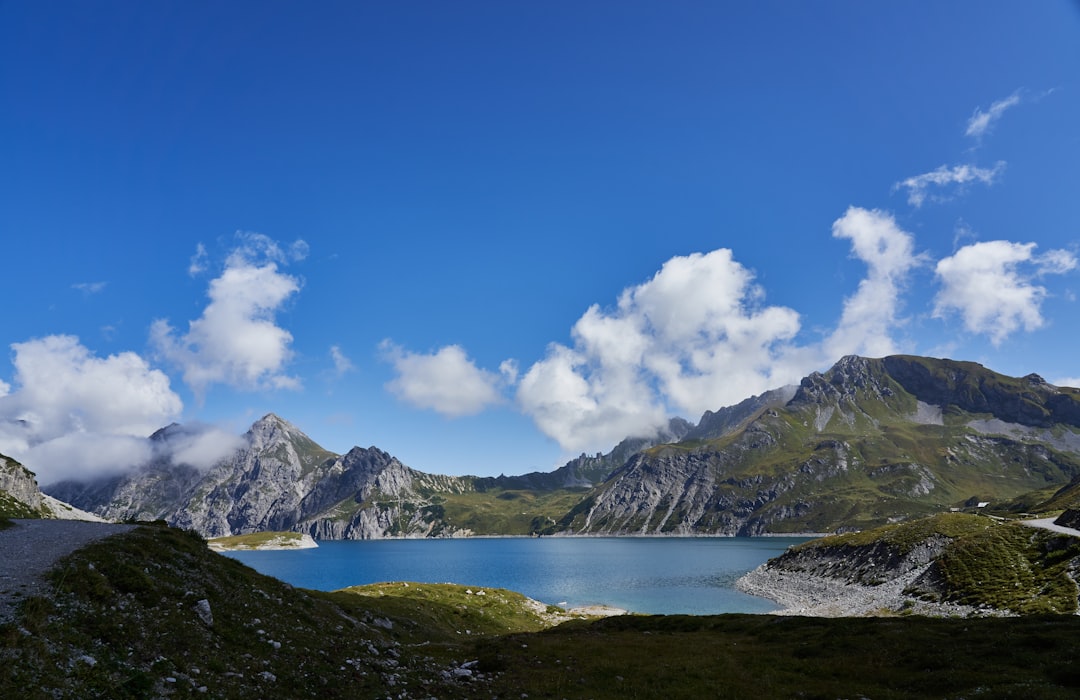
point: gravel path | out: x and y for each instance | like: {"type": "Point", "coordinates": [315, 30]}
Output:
{"type": "Point", "coordinates": [1048, 524]}
{"type": "Point", "coordinates": [32, 547]}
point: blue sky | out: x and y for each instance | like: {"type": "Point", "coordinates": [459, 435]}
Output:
{"type": "Point", "coordinates": [486, 237]}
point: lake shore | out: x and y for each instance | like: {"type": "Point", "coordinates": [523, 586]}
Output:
{"type": "Point", "coordinates": [283, 542]}
{"type": "Point", "coordinates": [820, 596]}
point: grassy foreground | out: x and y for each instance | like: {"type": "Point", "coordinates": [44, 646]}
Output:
{"type": "Point", "coordinates": [154, 613]}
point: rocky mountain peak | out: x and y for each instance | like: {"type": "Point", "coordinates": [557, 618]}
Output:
{"type": "Point", "coordinates": [847, 380]}
{"type": "Point", "coordinates": [163, 434]}
{"type": "Point", "coordinates": [270, 430]}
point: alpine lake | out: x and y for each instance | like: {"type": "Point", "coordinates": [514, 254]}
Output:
{"type": "Point", "coordinates": [649, 575]}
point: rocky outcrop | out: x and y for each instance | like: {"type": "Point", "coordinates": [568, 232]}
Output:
{"type": "Point", "coordinates": [725, 421]}
{"type": "Point", "coordinates": [19, 483]}
{"type": "Point", "coordinates": [1069, 518]}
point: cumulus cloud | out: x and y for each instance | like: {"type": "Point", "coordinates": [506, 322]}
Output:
{"type": "Point", "coordinates": [919, 186]}
{"type": "Point", "coordinates": [1067, 381]}
{"type": "Point", "coordinates": [982, 122]}
{"type": "Point", "coordinates": [237, 341]}
{"type": "Point", "coordinates": [870, 315]}
{"type": "Point", "coordinates": [66, 399]}
{"type": "Point", "coordinates": [696, 336]}
{"type": "Point", "coordinates": [445, 381]}
{"type": "Point", "coordinates": [991, 285]}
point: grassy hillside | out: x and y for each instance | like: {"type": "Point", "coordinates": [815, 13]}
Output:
{"type": "Point", "coordinates": [11, 507]}
{"type": "Point", "coordinates": [127, 621]}
{"type": "Point", "coordinates": [979, 562]}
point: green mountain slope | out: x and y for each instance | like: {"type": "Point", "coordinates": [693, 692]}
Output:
{"type": "Point", "coordinates": [861, 445]}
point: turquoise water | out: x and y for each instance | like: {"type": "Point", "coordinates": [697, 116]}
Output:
{"type": "Point", "coordinates": [664, 575]}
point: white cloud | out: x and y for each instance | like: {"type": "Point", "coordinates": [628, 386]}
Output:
{"type": "Point", "coordinates": [694, 337]}
{"type": "Point", "coordinates": [918, 186]}
{"type": "Point", "coordinates": [1067, 381]}
{"type": "Point", "coordinates": [82, 456]}
{"type": "Point", "coordinates": [199, 260]}
{"type": "Point", "coordinates": [445, 381]}
{"type": "Point", "coordinates": [198, 445]}
{"type": "Point", "coordinates": [870, 314]}
{"type": "Point", "coordinates": [236, 341]}
{"type": "Point", "coordinates": [89, 288]}
{"type": "Point", "coordinates": [342, 364]}
{"type": "Point", "coordinates": [982, 122]}
{"type": "Point", "coordinates": [66, 398]}
{"type": "Point", "coordinates": [991, 285]}
{"type": "Point", "coordinates": [63, 387]}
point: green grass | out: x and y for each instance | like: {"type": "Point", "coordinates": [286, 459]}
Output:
{"type": "Point", "coordinates": [1011, 567]}
{"type": "Point", "coordinates": [453, 609]}
{"type": "Point", "coordinates": [258, 539]}
{"type": "Point", "coordinates": [747, 656]}
{"type": "Point", "coordinates": [506, 511]}
{"type": "Point", "coordinates": [905, 536]}
{"type": "Point", "coordinates": [11, 507]}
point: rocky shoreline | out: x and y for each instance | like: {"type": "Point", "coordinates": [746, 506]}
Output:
{"type": "Point", "coordinates": [811, 595]}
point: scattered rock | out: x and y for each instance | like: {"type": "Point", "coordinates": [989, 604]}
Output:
{"type": "Point", "coordinates": [202, 609]}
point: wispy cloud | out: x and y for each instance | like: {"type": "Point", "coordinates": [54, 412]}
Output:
{"type": "Point", "coordinates": [981, 123]}
{"type": "Point", "coordinates": [991, 285]}
{"type": "Point", "coordinates": [197, 264]}
{"type": "Point", "coordinates": [342, 364]}
{"type": "Point", "coordinates": [446, 381]}
{"type": "Point", "coordinates": [237, 341]}
{"type": "Point", "coordinates": [89, 288]}
{"type": "Point", "coordinates": [919, 186]}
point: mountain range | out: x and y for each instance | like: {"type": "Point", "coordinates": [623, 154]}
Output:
{"type": "Point", "coordinates": [868, 442]}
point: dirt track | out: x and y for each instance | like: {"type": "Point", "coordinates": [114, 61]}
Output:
{"type": "Point", "coordinates": [32, 547]}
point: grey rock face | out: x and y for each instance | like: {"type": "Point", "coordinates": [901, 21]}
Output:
{"type": "Point", "coordinates": [19, 483]}
{"type": "Point", "coordinates": [279, 480]}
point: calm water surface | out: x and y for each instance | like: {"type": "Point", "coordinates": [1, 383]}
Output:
{"type": "Point", "coordinates": [664, 575]}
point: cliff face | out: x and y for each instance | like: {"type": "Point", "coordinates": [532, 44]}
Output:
{"type": "Point", "coordinates": [868, 442]}
{"type": "Point", "coordinates": [19, 493]}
